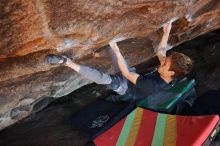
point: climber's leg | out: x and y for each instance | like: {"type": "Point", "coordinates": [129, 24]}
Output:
{"type": "Point", "coordinates": [115, 82]}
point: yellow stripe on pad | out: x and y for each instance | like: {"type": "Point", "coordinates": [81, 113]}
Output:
{"type": "Point", "coordinates": [170, 131]}
{"type": "Point", "coordinates": [135, 127]}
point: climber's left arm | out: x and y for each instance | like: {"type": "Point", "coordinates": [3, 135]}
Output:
{"type": "Point", "coordinates": [161, 49]}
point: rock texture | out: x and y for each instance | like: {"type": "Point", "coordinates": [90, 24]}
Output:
{"type": "Point", "coordinates": [31, 29]}
{"type": "Point", "coordinates": [53, 126]}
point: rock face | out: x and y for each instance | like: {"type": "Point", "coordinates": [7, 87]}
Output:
{"type": "Point", "coordinates": [53, 126]}
{"type": "Point", "coordinates": [32, 29]}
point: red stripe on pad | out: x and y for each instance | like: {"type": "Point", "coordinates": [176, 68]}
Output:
{"type": "Point", "coordinates": [146, 129]}
{"type": "Point", "coordinates": [110, 137]}
{"type": "Point", "coordinates": [194, 130]}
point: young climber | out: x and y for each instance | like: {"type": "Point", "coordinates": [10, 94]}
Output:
{"type": "Point", "coordinates": [132, 84]}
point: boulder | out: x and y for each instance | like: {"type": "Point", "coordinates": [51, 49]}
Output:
{"type": "Point", "coordinates": [32, 29]}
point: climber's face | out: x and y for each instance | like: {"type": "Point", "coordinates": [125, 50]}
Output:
{"type": "Point", "coordinates": [164, 68]}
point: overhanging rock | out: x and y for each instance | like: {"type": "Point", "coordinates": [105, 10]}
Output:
{"type": "Point", "coordinates": [29, 30]}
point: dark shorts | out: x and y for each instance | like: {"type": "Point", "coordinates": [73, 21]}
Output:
{"type": "Point", "coordinates": [119, 84]}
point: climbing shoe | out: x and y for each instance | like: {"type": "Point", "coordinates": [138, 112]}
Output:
{"type": "Point", "coordinates": [55, 59]}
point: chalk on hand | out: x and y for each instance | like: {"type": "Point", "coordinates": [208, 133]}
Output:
{"type": "Point", "coordinates": [170, 21]}
{"type": "Point", "coordinates": [173, 19]}
{"type": "Point", "coordinates": [118, 39]}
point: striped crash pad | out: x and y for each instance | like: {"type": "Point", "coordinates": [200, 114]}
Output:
{"type": "Point", "coordinates": [146, 128]}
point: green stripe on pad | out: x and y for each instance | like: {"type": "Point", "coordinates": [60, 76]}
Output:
{"type": "Point", "coordinates": [126, 129]}
{"type": "Point", "coordinates": [158, 138]}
